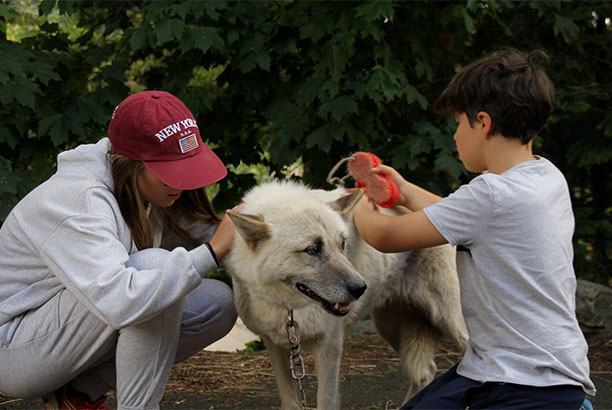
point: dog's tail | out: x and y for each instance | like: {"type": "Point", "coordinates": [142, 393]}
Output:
{"type": "Point", "coordinates": [416, 341]}
{"type": "Point", "coordinates": [417, 356]}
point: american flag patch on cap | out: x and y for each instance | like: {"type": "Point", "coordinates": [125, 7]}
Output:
{"type": "Point", "coordinates": [188, 143]}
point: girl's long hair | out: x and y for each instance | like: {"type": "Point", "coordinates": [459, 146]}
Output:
{"type": "Point", "coordinates": [193, 204]}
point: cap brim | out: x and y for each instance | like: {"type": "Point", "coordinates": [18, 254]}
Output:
{"type": "Point", "coordinates": [192, 172]}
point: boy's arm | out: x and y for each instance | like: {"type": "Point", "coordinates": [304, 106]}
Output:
{"type": "Point", "coordinates": [395, 233]}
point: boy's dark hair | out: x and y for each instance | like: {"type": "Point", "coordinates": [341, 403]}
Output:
{"type": "Point", "coordinates": [509, 86]}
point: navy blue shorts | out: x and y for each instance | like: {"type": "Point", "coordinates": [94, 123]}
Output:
{"type": "Point", "coordinates": [452, 391]}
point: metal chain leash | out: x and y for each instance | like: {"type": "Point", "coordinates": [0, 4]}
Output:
{"type": "Point", "coordinates": [295, 358]}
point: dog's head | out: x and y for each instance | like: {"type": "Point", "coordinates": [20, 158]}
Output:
{"type": "Point", "coordinates": [291, 250]}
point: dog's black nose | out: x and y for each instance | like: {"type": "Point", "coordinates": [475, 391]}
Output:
{"type": "Point", "coordinates": [357, 291]}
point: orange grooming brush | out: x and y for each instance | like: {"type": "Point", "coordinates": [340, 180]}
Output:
{"type": "Point", "coordinates": [380, 189]}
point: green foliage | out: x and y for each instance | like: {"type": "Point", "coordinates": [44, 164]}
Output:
{"type": "Point", "coordinates": [253, 346]}
{"type": "Point", "coordinates": [273, 82]}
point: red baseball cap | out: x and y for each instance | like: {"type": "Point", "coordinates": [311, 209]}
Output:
{"type": "Point", "coordinates": [158, 129]}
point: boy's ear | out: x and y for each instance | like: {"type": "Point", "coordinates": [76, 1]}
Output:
{"type": "Point", "coordinates": [485, 123]}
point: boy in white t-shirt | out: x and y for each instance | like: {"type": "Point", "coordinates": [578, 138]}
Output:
{"type": "Point", "coordinates": [513, 227]}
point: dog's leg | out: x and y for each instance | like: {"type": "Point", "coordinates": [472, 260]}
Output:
{"type": "Point", "coordinates": [327, 356]}
{"type": "Point", "coordinates": [287, 386]}
{"type": "Point", "coordinates": [414, 338]}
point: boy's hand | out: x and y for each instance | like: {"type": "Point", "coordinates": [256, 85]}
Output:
{"type": "Point", "coordinates": [411, 196]}
{"type": "Point", "coordinates": [394, 176]}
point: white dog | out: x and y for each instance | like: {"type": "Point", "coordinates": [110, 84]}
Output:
{"type": "Point", "coordinates": [299, 254]}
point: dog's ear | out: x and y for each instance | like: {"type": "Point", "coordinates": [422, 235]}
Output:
{"type": "Point", "coordinates": [345, 204]}
{"type": "Point", "coordinates": [252, 228]}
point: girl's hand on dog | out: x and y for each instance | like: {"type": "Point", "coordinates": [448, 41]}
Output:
{"type": "Point", "coordinates": [223, 238]}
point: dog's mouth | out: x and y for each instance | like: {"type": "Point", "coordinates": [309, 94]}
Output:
{"type": "Point", "coordinates": [335, 308]}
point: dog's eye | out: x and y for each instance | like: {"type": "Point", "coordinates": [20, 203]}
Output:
{"type": "Point", "coordinates": [315, 249]}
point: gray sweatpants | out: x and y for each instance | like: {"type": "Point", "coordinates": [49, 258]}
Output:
{"type": "Point", "coordinates": [63, 342]}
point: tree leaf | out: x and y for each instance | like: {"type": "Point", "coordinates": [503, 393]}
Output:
{"type": "Point", "coordinates": [7, 12]}
{"type": "Point", "coordinates": [312, 31]}
{"type": "Point", "coordinates": [417, 145]}
{"type": "Point", "coordinates": [205, 38]}
{"type": "Point", "coordinates": [46, 7]}
{"type": "Point", "coordinates": [322, 137]}
{"type": "Point", "coordinates": [375, 11]}
{"type": "Point", "coordinates": [468, 21]}
{"type": "Point", "coordinates": [24, 91]}
{"type": "Point", "coordinates": [339, 107]}
{"type": "Point", "coordinates": [7, 137]}
{"type": "Point", "coordinates": [382, 85]}
{"type": "Point", "coordinates": [263, 61]}
{"type": "Point", "coordinates": [53, 126]}
{"type": "Point", "coordinates": [566, 27]}
{"type": "Point", "coordinates": [138, 38]}
{"type": "Point", "coordinates": [7, 94]}
{"type": "Point", "coordinates": [448, 163]}
{"type": "Point", "coordinates": [164, 31]}
{"type": "Point", "coordinates": [412, 95]}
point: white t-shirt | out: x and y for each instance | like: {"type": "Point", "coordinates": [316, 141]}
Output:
{"type": "Point", "coordinates": [513, 234]}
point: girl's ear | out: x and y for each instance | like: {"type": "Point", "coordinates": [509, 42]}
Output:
{"type": "Point", "coordinates": [485, 123]}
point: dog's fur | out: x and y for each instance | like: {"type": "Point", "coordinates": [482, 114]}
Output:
{"type": "Point", "coordinates": [299, 251]}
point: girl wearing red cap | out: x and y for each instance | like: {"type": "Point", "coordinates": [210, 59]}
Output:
{"type": "Point", "coordinates": [103, 266]}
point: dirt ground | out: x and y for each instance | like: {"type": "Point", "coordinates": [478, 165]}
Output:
{"type": "Point", "coordinates": [370, 378]}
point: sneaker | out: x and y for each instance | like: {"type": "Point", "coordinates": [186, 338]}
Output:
{"type": "Point", "coordinates": [586, 405]}
{"type": "Point", "coordinates": [68, 399]}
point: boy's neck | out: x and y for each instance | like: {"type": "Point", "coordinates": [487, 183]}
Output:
{"type": "Point", "coordinates": [504, 153]}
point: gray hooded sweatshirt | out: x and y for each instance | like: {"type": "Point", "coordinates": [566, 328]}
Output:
{"type": "Point", "coordinates": [69, 233]}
